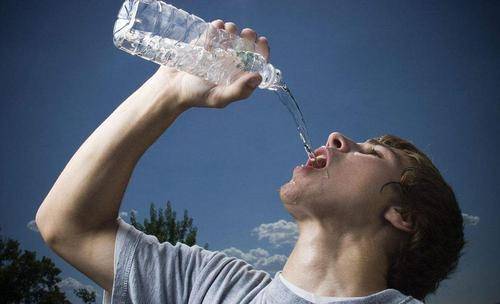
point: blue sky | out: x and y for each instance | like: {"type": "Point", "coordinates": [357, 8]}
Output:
{"type": "Point", "coordinates": [424, 70]}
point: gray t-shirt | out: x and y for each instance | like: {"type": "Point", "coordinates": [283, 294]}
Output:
{"type": "Point", "coordinates": [147, 271]}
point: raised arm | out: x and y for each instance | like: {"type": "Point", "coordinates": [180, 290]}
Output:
{"type": "Point", "coordinates": [77, 219]}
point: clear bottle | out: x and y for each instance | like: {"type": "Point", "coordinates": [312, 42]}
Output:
{"type": "Point", "coordinates": [169, 36]}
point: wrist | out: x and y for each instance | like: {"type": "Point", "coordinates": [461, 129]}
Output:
{"type": "Point", "coordinates": [165, 82]}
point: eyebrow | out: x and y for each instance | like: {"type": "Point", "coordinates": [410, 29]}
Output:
{"type": "Point", "coordinates": [375, 142]}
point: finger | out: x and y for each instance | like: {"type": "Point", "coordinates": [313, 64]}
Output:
{"type": "Point", "coordinates": [249, 34]}
{"type": "Point", "coordinates": [231, 28]}
{"type": "Point", "coordinates": [262, 47]}
{"type": "Point", "coordinates": [241, 88]}
{"type": "Point", "coordinates": [218, 24]}
{"type": "Point", "coordinates": [207, 39]}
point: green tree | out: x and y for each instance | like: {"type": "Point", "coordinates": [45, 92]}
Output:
{"type": "Point", "coordinates": [25, 279]}
{"type": "Point", "coordinates": [164, 225]}
{"type": "Point", "coordinates": [87, 297]}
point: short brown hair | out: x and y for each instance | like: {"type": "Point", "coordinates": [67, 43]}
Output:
{"type": "Point", "coordinates": [432, 251]}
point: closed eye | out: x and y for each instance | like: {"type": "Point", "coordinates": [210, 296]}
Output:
{"type": "Point", "coordinates": [371, 144]}
{"type": "Point", "coordinates": [371, 150]}
{"type": "Point", "coordinates": [384, 152]}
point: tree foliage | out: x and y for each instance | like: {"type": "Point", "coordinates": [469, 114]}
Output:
{"type": "Point", "coordinates": [25, 279]}
{"type": "Point", "coordinates": [87, 297]}
{"type": "Point", "coordinates": [164, 225]}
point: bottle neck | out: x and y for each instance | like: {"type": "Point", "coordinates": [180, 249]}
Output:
{"type": "Point", "coordinates": [271, 78]}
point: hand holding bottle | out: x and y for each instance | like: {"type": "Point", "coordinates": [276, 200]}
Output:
{"type": "Point", "coordinates": [193, 91]}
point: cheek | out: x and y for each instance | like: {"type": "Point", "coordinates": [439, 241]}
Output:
{"type": "Point", "coordinates": [355, 181]}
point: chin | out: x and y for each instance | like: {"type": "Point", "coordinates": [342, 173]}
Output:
{"type": "Point", "coordinates": [289, 193]}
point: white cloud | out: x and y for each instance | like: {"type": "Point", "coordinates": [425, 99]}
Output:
{"type": "Point", "coordinates": [471, 220]}
{"type": "Point", "coordinates": [278, 233]}
{"type": "Point", "coordinates": [32, 226]}
{"type": "Point", "coordinates": [259, 258]}
{"type": "Point", "coordinates": [251, 257]}
{"type": "Point", "coordinates": [124, 214]}
{"type": "Point", "coordinates": [72, 283]}
{"type": "Point", "coordinates": [272, 264]}
{"type": "Point", "coordinates": [69, 284]}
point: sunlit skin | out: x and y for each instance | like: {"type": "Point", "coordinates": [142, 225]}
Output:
{"type": "Point", "coordinates": [347, 225]}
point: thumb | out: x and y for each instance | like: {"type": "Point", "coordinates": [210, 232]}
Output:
{"type": "Point", "coordinates": [253, 80]}
{"type": "Point", "coordinates": [241, 88]}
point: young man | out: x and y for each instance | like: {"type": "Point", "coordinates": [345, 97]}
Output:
{"type": "Point", "coordinates": [388, 231]}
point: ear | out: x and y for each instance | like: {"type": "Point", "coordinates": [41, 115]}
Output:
{"type": "Point", "coordinates": [393, 215]}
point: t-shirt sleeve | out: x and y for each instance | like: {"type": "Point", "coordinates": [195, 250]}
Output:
{"type": "Point", "coordinates": [147, 271]}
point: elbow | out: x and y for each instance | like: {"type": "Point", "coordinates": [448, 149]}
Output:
{"type": "Point", "coordinates": [45, 227]}
{"type": "Point", "coordinates": [57, 228]}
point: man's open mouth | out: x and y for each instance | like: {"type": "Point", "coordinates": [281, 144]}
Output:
{"type": "Point", "coordinates": [321, 158]}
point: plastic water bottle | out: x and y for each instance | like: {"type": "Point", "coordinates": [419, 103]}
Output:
{"type": "Point", "coordinates": [169, 36]}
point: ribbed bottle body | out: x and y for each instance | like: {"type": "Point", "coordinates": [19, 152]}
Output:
{"type": "Point", "coordinates": [169, 36]}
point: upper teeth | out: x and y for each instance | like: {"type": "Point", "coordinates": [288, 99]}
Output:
{"type": "Point", "coordinates": [320, 157]}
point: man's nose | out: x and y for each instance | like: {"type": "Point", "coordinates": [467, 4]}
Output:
{"type": "Point", "coordinates": [340, 142]}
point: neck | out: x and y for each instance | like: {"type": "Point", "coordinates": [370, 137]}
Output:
{"type": "Point", "coordinates": [327, 261]}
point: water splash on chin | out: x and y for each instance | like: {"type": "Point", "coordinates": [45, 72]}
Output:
{"type": "Point", "coordinates": [289, 194]}
{"type": "Point", "coordinates": [326, 173]}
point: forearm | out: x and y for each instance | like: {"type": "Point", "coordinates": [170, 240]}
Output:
{"type": "Point", "coordinates": [89, 191]}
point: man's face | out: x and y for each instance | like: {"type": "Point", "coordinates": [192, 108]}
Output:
{"type": "Point", "coordinates": [344, 182]}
